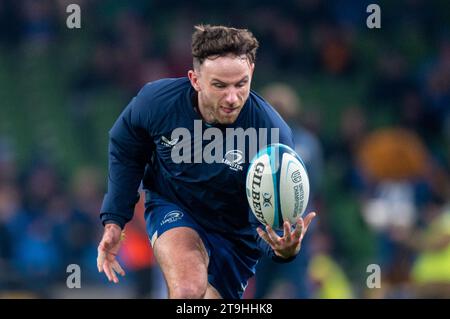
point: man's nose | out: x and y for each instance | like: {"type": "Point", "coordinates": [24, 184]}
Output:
{"type": "Point", "coordinates": [231, 97]}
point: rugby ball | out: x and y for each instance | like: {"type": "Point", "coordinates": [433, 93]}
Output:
{"type": "Point", "coordinates": [277, 185]}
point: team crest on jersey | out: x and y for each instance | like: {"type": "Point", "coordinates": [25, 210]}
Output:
{"type": "Point", "coordinates": [171, 217]}
{"type": "Point", "coordinates": [168, 142]}
{"type": "Point", "coordinates": [234, 159]}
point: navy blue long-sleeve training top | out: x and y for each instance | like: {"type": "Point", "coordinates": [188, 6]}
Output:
{"type": "Point", "coordinates": [141, 149]}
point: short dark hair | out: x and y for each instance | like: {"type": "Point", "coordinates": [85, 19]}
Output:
{"type": "Point", "coordinates": [208, 41]}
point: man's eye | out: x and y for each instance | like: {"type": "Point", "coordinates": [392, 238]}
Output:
{"type": "Point", "coordinates": [218, 85]}
{"type": "Point", "coordinates": [241, 84]}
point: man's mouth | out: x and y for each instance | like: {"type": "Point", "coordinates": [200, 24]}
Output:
{"type": "Point", "coordinates": [229, 110]}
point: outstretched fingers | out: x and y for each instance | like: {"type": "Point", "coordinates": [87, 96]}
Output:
{"type": "Point", "coordinates": [117, 268]}
{"type": "Point", "coordinates": [287, 231]}
{"type": "Point", "coordinates": [275, 239]}
{"type": "Point", "coordinates": [298, 231]}
{"type": "Point", "coordinates": [308, 219]}
{"type": "Point", "coordinates": [302, 226]}
{"type": "Point", "coordinates": [100, 260]}
{"type": "Point", "coordinates": [264, 236]}
{"type": "Point", "coordinates": [111, 270]}
{"type": "Point", "coordinates": [269, 236]}
{"type": "Point", "coordinates": [107, 268]}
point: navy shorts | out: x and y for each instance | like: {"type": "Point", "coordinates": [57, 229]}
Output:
{"type": "Point", "coordinates": [231, 262]}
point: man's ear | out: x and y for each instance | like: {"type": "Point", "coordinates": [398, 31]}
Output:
{"type": "Point", "coordinates": [193, 77]}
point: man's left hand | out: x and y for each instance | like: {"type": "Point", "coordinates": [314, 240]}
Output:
{"type": "Point", "coordinates": [289, 245]}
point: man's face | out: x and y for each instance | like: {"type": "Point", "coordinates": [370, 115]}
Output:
{"type": "Point", "coordinates": [223, 86]}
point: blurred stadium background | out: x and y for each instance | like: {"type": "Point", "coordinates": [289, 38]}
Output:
{"type": "Point", "coordinates": [370, 109]}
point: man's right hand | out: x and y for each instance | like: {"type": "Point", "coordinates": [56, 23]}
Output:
{"type": "Point", "coordinates": [107, 251]}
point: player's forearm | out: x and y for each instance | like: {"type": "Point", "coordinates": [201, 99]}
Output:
{"type": "Point", "coordinates": [126, 169]}
{"type": "Point", "coordinates": [120, 200]}
{"type": "Point", "coordinates": [119, 203]}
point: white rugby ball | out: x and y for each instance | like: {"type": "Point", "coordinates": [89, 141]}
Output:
{"type": "Point", "coordinates": [277, 185]}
